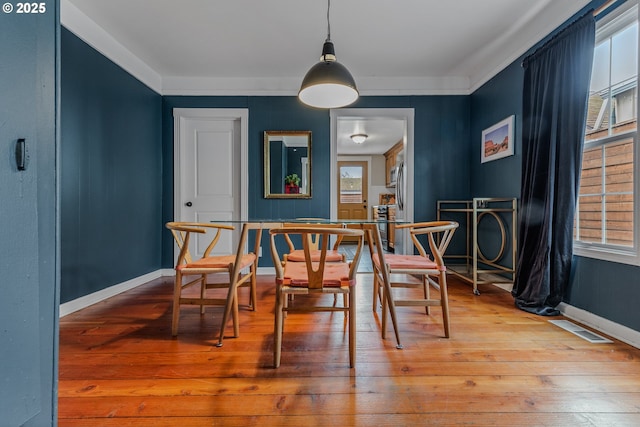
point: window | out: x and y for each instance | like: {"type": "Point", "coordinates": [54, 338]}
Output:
{"type": "Point", "coordinates": [351, 184]}
{"type": "Point", "coordinates": [606, 222]}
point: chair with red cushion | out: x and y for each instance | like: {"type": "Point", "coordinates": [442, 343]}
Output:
{"type": "Point", "coordinates": [231, 271]}
{"type": "Point", "coordinates": [314, 276]}
{"type": "Point", "coordinates": [411, 271]}
{"type": "Point", "coordinates": [297, 254]}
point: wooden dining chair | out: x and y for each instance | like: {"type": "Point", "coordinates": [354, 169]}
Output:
{"type": "Point", "coordinates": [231, 270]}
{"type": "Point", "coordinates": [414, 271]}
{"type": "Point", "coordinates": [296, 254]}
{"type": "Point", "coordinates": [314, 276]}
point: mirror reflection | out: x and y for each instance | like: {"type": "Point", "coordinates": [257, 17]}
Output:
{"type": "Point", "coordinates": [287, 164]}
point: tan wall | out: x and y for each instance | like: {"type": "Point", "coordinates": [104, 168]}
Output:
{"type": "Point", "coordinates": [377, 170]}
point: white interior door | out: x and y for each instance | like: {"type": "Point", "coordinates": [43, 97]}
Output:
{"type": "Point", "coordinates": [208, 186]}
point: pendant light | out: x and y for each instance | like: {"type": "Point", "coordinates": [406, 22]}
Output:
{"type": "Point", "coordinates": [328, 84]}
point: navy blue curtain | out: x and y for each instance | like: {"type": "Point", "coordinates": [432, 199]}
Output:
{"type": "Point", "coordinates": [555, 95]}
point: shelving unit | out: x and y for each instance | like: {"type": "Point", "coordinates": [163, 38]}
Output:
{"type": "Point", "coordinates": [477, 267]}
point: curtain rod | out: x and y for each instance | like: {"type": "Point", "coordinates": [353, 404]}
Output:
{"type": "Point", "coordinates": [558, 36]}
{"type": "Point", "coordinates": [603, 7]}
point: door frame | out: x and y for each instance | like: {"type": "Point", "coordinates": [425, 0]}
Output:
{"type": "Point", "coordinates": [406, 114]}
{"type": "Point", "coordinates": [242, 114]}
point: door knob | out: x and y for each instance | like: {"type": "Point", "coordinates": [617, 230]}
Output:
{"type": "Point", "coordinates": [189, 204]}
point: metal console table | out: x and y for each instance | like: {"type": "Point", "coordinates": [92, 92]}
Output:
{"type": "Point", "coordinates": [477, 267]}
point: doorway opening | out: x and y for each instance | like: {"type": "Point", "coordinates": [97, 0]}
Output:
{"type": "Point", "coordinates": [384, 128]}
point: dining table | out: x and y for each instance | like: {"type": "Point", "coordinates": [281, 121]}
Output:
{"type": "Point", "coordinates": [369, 226]}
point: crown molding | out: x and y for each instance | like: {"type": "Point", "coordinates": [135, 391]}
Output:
{"type": "Point", "coordinates": [289, 86]}
{"type": "Point", "coordinates": [94, 35]}
{"type": "Point", "coordinates": [522, 36]}
{"type": "Point", "coordinates": [525, 33]}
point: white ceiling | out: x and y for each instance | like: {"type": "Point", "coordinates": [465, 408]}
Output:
{"type": "Point", "coordinates": [382, 133]}
{"type": "Point", "coordinates": [264, 47]}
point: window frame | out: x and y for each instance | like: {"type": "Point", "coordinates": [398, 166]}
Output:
{"type": "Point", "coordinates": [607, 26]}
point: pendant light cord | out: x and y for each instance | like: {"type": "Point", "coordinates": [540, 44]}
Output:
{"type": "Point", "coordinates": [328, 22]}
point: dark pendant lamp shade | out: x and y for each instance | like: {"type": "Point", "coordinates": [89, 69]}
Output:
{"type": "Point", "coordinates": [328, 84]}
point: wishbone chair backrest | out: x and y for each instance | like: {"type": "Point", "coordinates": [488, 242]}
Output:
{"type": "Point", "coordinates": [437, 246]}
{"type": "Point", "coordinates": [181, 232]}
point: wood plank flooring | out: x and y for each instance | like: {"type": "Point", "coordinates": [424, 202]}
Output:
{"type": "Point", "coordinates": [119, 366]}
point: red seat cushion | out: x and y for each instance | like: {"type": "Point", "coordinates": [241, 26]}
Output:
{"type": "Point", "coordinates": [400, 262]}
{"type": "Point", "coordinates": [298, 256]}
{"type": "Point", "coordinates": [219, 261]}
{"type": "Point", "coordinates": [336, 274]}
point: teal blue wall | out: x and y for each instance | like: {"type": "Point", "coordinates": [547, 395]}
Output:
{"type": "Point", "coordinates": [117, 164]}
{"type": "Point", "coordinates": [111, 173]}
{"type": "Point", "coordinates": [497, 99]}
{"type": "Point", "coordinates": [447, 159]}
{"type": "Point", "coordinates": [607, 289]}
{"type": "Point", "coordinates": [440, 151]}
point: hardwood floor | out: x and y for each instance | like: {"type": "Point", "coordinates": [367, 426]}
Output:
{"type": "Point", "coordinates": [119, 366]}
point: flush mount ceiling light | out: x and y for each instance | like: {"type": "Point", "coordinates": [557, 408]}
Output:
{"type": "Point", "coordinates": [328, 84]}
{"type": "Point", "coordinates": [359, 138]}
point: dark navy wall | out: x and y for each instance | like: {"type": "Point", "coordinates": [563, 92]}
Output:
{"type": "Point", "coordinates": [293, 162]}
{"type": "Point", "coordinates": [607, 289]}
{"type": "Point", "coordinates": [441, 151]}
{"type": "Point", "coordinates": [111, 173]}
{"type": "Point", "coordinates": [497, 99]}
{"type": "Point", "coordinates": [276, 166]}
{"type": "Point", "coordinates": [265, 113]}
{"type": "Point", "coordinates": [113, 169]}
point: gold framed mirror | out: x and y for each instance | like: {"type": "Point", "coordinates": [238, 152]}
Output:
{"type": "Point", "coordinates": [287, 164]}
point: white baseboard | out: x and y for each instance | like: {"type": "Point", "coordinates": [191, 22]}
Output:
{"type": "Point", "coordinates": [504, 285]}
{"type": "Point", "coordinates": [101, 295]}
{"type": "Point", "coordinates": [264, 271]}
{"type": "Point", "coordinates": [615, 330]}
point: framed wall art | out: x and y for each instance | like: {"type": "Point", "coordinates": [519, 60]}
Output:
{"type": "Point", "coordinates": [497, 140]}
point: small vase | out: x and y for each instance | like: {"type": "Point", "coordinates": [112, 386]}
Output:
{"type": "Point", "coordinates": [291, 189]}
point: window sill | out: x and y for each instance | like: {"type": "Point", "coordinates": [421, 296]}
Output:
{"type": "Point", "coordinates": [629, 257]}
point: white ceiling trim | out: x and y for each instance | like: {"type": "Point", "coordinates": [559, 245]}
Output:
{"type": "Point", "coordinates": [371, 86]}
{"type": "Point", "coordinates": [523, 35]}
{"type": "Point", "coordinates": [414, 85]}
{"type": "Point", "coordinates": [91, 33]}
{"type": "Point", "coordinates": [94, 35]}
{"type": "Point", "coordinates": [217, 86]}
